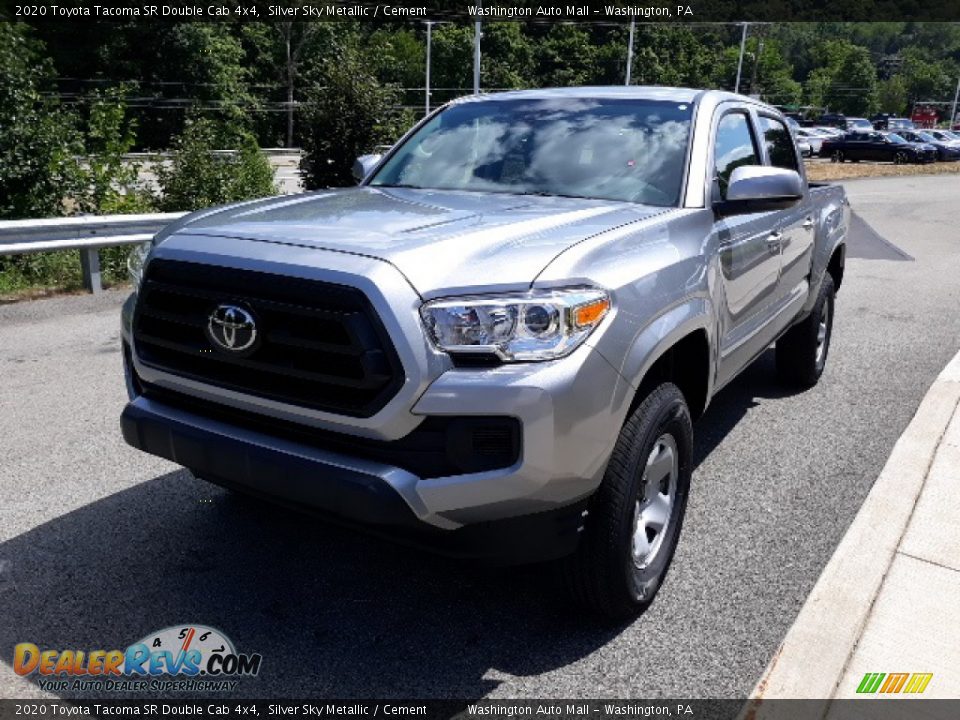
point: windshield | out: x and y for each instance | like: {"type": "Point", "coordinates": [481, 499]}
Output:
{"type": "Point", "coordinates": [927, 137]}
{"type": "Point", "coordinates": [894, 138]}
{"type": "Point", "coordinates": [631, 150]}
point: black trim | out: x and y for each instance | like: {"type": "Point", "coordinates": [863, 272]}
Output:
{"type": "Point", "coordinates": [440, 446]}
{"type": "Point", "coordinates": [341, 494]}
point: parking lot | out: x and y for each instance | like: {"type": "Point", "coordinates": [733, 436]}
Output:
{"type": "Point", "coordinates": [100, 544]}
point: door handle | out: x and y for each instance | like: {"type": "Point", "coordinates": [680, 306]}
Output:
{"type": "Point", "coordinates": [773, 241]}
{"type": "Point", "coordinates": [808, 224]}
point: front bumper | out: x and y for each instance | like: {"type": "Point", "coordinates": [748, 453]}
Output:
{"type": "Point", "coordinates": [351, 492]}
{"type": "Point", "coordinates": [569, 411]}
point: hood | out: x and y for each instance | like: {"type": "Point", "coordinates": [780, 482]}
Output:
{"type": "Point", "coordinates": [440, 240]}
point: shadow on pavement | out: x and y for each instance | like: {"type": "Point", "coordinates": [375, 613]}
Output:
{"type": "Point", "coordinates": [333, 613]}
{"type": "Point", "coordinates": [759, 380]}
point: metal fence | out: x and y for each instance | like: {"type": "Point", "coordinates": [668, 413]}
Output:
{"type": "Point", "coordinates": [86, 233]}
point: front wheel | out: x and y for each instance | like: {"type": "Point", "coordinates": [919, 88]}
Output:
{"type": "Point", "coordinates": [634, 519]}
{"type": "Point", "coordinates": [802, 351]}
{"type": "Point", "coordinates": [836, 156]}
{"type": "Point", "coordinates": [901, 158]}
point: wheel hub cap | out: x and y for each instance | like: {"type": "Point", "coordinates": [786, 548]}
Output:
{"type": "Point", "coordinates": [822, 330]}
{"type": "Point", "coordinates": [654, 506]}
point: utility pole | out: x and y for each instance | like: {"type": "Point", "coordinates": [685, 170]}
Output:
{"type": "Point", "coordinates": [953, 110]}
{"type": "Point", "coordinates": [743, 45]}
{"type": "Point", "coordinates": [476, 58]}
{"type": "Point", "coordinates": [426, 92]}
{"type": "Point", "coordinates": [633, 24]}
{"type": "Point", "coordinates": [756, 64]}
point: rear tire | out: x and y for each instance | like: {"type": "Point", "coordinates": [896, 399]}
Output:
{"type": "Point", "coordinates": [836, 156]}
{"type": "Point", "coordinates": [635, 517]}
{"type": "Point", "coordinates": [802, 352]}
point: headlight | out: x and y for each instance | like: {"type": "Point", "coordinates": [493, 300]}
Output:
{"type": "Point", "coordinates": [136, 261]}
{"type": "Point", "coordinates": [540, 325]}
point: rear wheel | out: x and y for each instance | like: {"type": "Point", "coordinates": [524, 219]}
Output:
{"type": "Point", "coordinates": [802, 351]}
{"type": "Point", "coordinates": [836, 156]}
{"type": "Point", "coordinates": [635, 517]}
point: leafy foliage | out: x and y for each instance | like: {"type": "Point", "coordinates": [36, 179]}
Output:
{"type": "Point", "coordinates": [348, 113]}
{"type": "Point", "coordinates": [197, 178]}
{"type": "Point", "coordinates": [109, 182]}
{"type": "Point", "coordinates": [38, 141]}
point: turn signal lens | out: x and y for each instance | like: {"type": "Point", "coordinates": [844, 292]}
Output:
{"type": "Point", "coordinates": [591, 313]}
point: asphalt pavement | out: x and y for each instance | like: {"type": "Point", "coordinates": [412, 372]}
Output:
{"type": "Point", "coordinates": [100, 544]}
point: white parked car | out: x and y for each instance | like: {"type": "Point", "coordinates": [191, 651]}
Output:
{"type": "Point", "coordinates": [812, 137]}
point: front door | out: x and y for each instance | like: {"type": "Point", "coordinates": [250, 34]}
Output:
{"type": "Point", "coordinates": [749, 252]}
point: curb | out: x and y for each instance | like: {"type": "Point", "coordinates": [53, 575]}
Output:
{"type": "Point", "coordinates": [813, 656]}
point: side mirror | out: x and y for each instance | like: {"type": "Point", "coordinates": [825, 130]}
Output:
{"type": "Point", "coordinates": [364, 164]}
{"type": "Point", "coordinates": [758, 188]}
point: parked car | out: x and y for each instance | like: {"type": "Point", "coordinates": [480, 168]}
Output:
{"type": "Point", "coordinates": [946, 150]}
{"type": "Point", "coordinates": [813, 138]}
{"type": "Point", "coordinates": [833, 120]}
{"type": "Point", "coordinates": [804, 148]}
{"type": "Point", "coordinates": [859, 125]}
{"type": "Point", "coordinates": [888, 147]}
{"type": "Point", "coordinates": [497, 343]}
{"type": "Point", "coordinates": [887, 122]}
{"type": "Point", "coordinates": [946, 136]}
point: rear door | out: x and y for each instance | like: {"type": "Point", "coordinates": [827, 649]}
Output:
{"type": "Point", "coordinates": [748, 248]}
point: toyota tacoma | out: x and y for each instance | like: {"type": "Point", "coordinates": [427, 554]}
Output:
{"type": "Point", "coordinates": [496, 345]}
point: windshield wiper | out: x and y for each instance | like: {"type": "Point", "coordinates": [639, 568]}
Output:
{"type": "Point", "coordinates": [544, 193]}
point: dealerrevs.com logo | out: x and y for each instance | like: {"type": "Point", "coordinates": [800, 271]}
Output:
{"type": "Point", "coordinates": [184, 657]}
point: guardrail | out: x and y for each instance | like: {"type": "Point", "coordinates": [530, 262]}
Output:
{"type": "Point", "coordinates": [86, 233]}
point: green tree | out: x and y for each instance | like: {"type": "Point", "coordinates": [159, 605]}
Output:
{"type": "Point", "coordinates": [197, 178]}
{"type": "Point", "coordinates": [347, 113]}
{"type": "Point", "coordinates": [892, 95]}
{"type": "Point", "coordinates": [924, 78]}
{"type": "Point", "coordinates": [110, 182]}
{"type": "Point", "coordinates": [38, 140]}
{"type": "Point", "coordinates": [854, 87]}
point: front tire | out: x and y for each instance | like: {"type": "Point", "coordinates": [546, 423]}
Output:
{"type": "Point", "coordinates": [635, 517]}
{"type": "Point", "coordinates": [802, 351]}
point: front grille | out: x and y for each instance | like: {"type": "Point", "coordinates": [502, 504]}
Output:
{"type": "Point", "coordinates": [319, 345]}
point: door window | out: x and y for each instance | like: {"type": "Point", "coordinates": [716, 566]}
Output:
{"type": "Point", "coordinates": [734, 146]}
{"type": "Point", "coordinates": [779, 144]}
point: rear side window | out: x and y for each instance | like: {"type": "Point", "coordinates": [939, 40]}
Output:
{"type": "Point", "coordinates": [735, 146]}
{"type": "Point", "coordinates": [779, 144]}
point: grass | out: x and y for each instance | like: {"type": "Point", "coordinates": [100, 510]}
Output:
{"type": "Point", "coordinates": [825, 171]}
{"type": "Point", "coordinates": [24, 277]}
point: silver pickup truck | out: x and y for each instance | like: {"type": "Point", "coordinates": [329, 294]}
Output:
{"type": "Point", "coordinates": [496, 345]}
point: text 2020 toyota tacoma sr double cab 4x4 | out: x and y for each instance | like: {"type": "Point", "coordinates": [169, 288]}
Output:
{"type": "Point", "coordinates": [497, 343]}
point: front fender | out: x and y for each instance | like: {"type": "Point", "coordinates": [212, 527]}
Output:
{"type": "Point", "coordinates": [649, 344]}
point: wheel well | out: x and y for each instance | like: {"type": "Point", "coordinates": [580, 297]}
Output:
{"type": "Point", "coordinates": [836, 265]}
{"type": "Point", "coordinates": [687, 365]}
